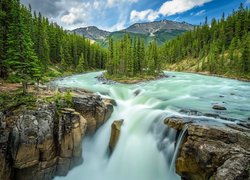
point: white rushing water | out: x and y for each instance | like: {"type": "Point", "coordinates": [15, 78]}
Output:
{"type": "Point", "coordinates": [147, 148]}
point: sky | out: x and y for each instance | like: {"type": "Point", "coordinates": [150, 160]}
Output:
{"type": "Point", "coordinates": [113, 15]}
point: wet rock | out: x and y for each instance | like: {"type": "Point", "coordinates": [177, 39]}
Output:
{"type": "Point", "coordinates": [110, 101]}
{"type": "Point", "coordinates": [137, 92]}
{"type": "Point", "coordinates": [115, 134]}
{"type": "Point", "coordinates": [104, 80]}
{"type": "Point", "coordinates": [219, 107]}
{"type": "Point", "coordinates": [176, 123]}
{"type": "Point", "coordinates": [191, 112]}
{"type": "Point", "coordinates": [211, 152]}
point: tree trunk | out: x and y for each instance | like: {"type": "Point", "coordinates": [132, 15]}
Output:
{"type": "Point", "coordinates": [25, 87]}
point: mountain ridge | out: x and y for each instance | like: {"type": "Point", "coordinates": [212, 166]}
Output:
{"type": "Point", "coordinates": [157, 30]}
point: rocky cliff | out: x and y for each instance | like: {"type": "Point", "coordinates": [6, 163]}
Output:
{"type": "Point", "coordinates": [45, 140]}
{"type": "Point", "coordinates": [220, 152]}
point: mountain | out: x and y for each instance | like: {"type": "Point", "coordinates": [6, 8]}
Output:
{"type": "Point", "coordinates": [92, 33]}
{"type": "Point", "coordinates": [151, 28]}
{"type": "Point", "coordinates": [161, 31]}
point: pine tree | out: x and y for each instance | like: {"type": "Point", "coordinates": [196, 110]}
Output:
{"type": "Point", "coordinates": [81, 63]}
{"type": "Point", "coordinates": [21, 58]}
{"type": "Point", "coordinates": [245, 57]}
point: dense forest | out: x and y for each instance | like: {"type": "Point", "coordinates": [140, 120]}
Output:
{"type": "Point", "coordinates": [220, 48]}
{"type": "Point", "coordinates": [30, 44]}
{"type": "Point", "coordinates": [129, 57]}
{"type": "Point", "coordinates": [32, 47]}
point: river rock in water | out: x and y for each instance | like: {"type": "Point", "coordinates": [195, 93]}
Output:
{"type": "Point", "coordinates": [115, 134]}
{"type": "Point", "coordinates": [219, 107]}
{"type": "Point", "coordinates": [213, 152]}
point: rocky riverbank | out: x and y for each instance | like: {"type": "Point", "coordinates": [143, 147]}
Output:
{"type": "Point", "coordinates": [220, 152]}
{"type": "Point", "coordinates": [45, 140]}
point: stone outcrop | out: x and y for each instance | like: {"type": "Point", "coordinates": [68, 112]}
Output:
{"type": "Point", "coordinates": [94, 109]}
{"type": "Point", "coordinates": [213, 151]}
{"type": "Point", "coordinates": [46, 141]}
{"type": "Point", "coordinates": [115, 134]}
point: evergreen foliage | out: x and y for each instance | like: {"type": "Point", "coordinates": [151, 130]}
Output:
{"type": "Point", "coordinates": [127, 57]}
{"type": "Point", "coordinates": [220, 48]}
{"type": "Point", "coordinates": [29, 44]}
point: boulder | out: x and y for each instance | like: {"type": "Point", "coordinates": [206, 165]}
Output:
{"type": "Point", "coordinates": [219, 107]}
{"type": "Point", "coordinates": [115, 134]}
{"type": "Point", "coordinates": [137, 92]}
{"type": "Point", "coordinates": [213, 151]}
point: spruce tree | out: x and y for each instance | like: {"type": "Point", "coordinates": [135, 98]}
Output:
{"type": "Point", "coordinates": [21, 58]}
{"type": "Point", "coordinates": [81, 63]}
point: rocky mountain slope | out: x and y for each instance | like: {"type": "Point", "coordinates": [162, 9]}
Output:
{"type": "Point", "coordinates": [92, 33]}
{"type": "Point", "coordinates": [161, 31]}
{"type": "Point", "coordinates": [152, 28]}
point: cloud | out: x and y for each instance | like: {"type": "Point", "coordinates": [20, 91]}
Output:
{"type": "Point", "coordinates": [112, 3]}
{"type": "Point", "coordinates": [168, 8]}
{"type": "Point", "coordinates": [179, 6]}
{"type": "Point", "coordinates": [199, 13]}
{"type": "Point", "coordinates": [76, 14]}
{"type": "Point", "coordinates": [47, 7]}
{"type": "Point", "coordinates": [71, 14]}
{"type": "Point", "coordinates": [148, 14]}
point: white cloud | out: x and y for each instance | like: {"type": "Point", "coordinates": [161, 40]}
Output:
{"type": "Point", "coordinates": [97, 5]}
{"type": "Point", "coordinates": [179, 6]}
{"type": "Point", "coordinates": [75, 14]}
{"type": "Point", "coordinates": [168, 8]}
{"type": "Point", "coordinates": [117, 27]}
{"type": "Point", "coordinates": [112, 3]}
{"type": "Point", "coordinates": [200, 12]}
{"type": "Point", "coordinates": [148, 14]}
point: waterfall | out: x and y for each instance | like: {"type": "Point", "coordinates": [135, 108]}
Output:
{"type": "Point", "coordinates": [147, 149]}
{"type": "Point", "coordinates": [177, 148]}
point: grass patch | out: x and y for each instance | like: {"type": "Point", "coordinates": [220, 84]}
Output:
{"type": "Point", "coordinates": [15, 99]}
{"type": "Point", "coordinates": [61, 100]}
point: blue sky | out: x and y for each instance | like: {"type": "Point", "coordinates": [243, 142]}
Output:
{"type": "Point", "coordinates": [115, 15]}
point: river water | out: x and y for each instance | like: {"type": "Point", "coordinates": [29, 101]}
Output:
{"type": "Point", "coordinates": [147, 148]}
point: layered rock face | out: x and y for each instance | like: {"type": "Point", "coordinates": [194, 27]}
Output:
{"type": "Point", "coordinates": [213, 152]}
{"type": "Point", "coordinates": [46, 141]}
{"type": "Point", "coordinates": [93, 109]}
